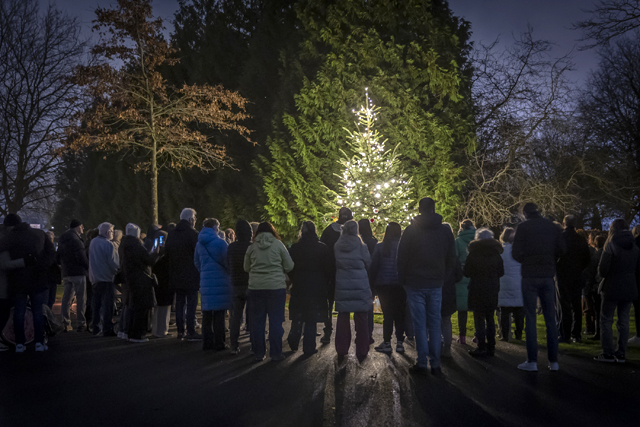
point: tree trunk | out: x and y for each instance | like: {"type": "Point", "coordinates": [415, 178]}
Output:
{"type": "Point", "coordinates": [154, 184]}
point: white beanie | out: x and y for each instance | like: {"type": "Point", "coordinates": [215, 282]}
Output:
{"type": "Point", "coordinates": [132, 230]}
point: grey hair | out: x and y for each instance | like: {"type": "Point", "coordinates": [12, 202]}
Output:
{"type": "Point", "coordinates": [132, 230]}
{"type": "Point", "coordinates": [507, 235]}
{"type": "Point", "coordinates": [211, 223]}
{"type": "Point", "coordinates": [104, 228]}
{"type": "Point", "coordinates": [484, 233]}
{"type": "Point", "coordinates": [187, 213]}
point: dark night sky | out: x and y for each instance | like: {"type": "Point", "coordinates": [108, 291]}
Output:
{"type": "Point", "coordinates": [550, 20]}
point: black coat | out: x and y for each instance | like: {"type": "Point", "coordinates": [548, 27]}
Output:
{"type": "Point", "coordinates": [236, 252]}
{"type": "Point", "coordinates": [620, 268]}
{"type": "Point", "coordinates": [537, 245]}
{"type": "Point", "coordinates": [371, 243]}
{"type": "Point", "coordinates": [180, 249]}
{"type": "Point", "coordinates": [571, 265]}
{"type": "Point", "coordinates": [136, 267]}
{"type": "Point", "coordinates": [426, 254]}
{"type": "Point", "coordinates": [591, 277]}
{"type": "Point", "coordinates": [311, 277]}
{"type": "Point", "coordinates": [26, 242]}
{"type": "Point", "coordinates": [164, 291]}
{"type": "Point", "coordinates": [449, 299]}
{"type": "Point", "coordinates": [484, 267]}
{"type": "Point", "coordinates": [71, 255]}
{"type": "Point", "coordinates": [384, 269]}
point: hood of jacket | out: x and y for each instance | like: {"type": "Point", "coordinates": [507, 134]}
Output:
{"type": "Point", "coordinates": [347, 243]}
{"type": "Point", "coordinates": [467, 235]}
{"type": "Point", "coordinates": [207, 235]}
{"type": "Point", "coordinates": [426, 221]}
{"type": "Point", "coordinates": [265, 240]}
{"type": "Point", "coordinates": [243, 231]}
{"type": "Point", "coordinates": [336, 226]}
{"type": "Point", "coordinates": [486, 247]}
{"type": "Point", "coordinates": [623, 239]}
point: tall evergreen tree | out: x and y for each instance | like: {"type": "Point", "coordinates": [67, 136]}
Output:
{"type": "Point", "coordinates": [412, 55]}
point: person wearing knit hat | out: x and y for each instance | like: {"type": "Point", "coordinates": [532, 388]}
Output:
{"type": "Point", "coordinates": [12, 220]}
{"type": "Point", "coordinates": [72, 257]}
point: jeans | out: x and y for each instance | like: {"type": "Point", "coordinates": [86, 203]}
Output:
{"type": "Point", "coordinates": [505, 321]}
{"type": "Point", "coordinates": [239, 302]}
{"type": "Point", "coordinates": [37, 300]}
{"type": "Point", "coordinates": [425, 305]}
{"type": "Point", "coordinates": [485, 324]}
{"type": "Point", "coordinates": [571, 306]}
{"type": "Point", "coordinates": [393, 300]}
{"type": "Point", "coordinates": [606, 326]}
{"type": "Point", "coordinates": [545, 289]}
{"type": "Point", "coordinates": [190, 299]}
{"type": "Point", "coordinates": [74, 286]}
{"type": "Point", "coordinates": [103, 297]}
{"type": "Point", "coordinates": [463, 316]}
{"type": "Point", "coordinates": [213, 329]}
{"type": "Point", "coordinates": [343, 333]}
{"type": "Point", "coordinates": [309, 339]}
{"type": "Point", "coordinates": [267, 302]}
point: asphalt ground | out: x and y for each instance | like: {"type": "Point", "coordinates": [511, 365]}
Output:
{"type": "Point", "coordinates": [97, 381]}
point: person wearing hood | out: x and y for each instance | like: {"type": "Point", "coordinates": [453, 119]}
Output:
{"type": "Point", "coordinates": [484, 267]}
{"type": "Point", "coordinates": [366, 233]}
{"type": "Point", "coordinates": [570, 276]}
{"type": "Point", "coordinates": [620, 269]}
{"type": "Point", "coordinates": [73, 259]}
{"type": "Point", "coordinates": [465, 236]}
{"type": "Point", "coordinates": [510, 296]}
{"type": "Point", "coordinates": [537, 245]}
{"type": "Point", "coordinates": [329, 237]}
{"type": "Point", "coordinates": [353, 291]}
{"type": "Point", "coordinates": [6, 264]}
{"type": "Point", "coordinates": [180, 250]}
{"type": "Point", "coordinates": [383, 276]}
{"type": "Point", "coordinates": [136, 267]}
{"type": "Point", "coordinates": [104, 262]}
{"type": "Point", "coordinates": [311, 277]}
{"type": "Point", "coordinates": [426, 256]}
{"type": "Point", "coordinates": [239, 280]}
{"type": "Point", "coordinates": [30, 282]}
{"type": "Point", "coordinates": [215, 287]}
{"type": "Point", "coordinates": [267, 261]}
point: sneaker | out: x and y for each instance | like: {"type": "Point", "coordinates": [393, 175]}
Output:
{"type": "Point", "coordinates": [400, 347]}
{"type": "Point", "coordinates": [125, 336]}
{"type": "Point", "coordinates": [3, 347]}
{"type": "Point", "coordinates": [120, 334]}
{"type": "Point", "coordinates": [528, 366]}
{"type": "Point", "coordinates": [139, 340]}
{"type": "Point", "coordinates": [620, 358]}
{"type": "Point", "coordinates": [554, 366]}
{"type": "Point", "coordinates": [326, 339]}
{"type": "Point", "coordinates": [635, 341]}
{"type": "Point", "coordinates": [20, 348]}
{"type": "Point", "coordinates": [41, 347]}
{"type": "Point", "coordinates": [385, 347]}
{"type": "Point", "coordinates": [418, 370]}
{"type": "Point", "coordinates": [278, 358]}
{"type": "Point", "coordinates": [605, 358]}
{"type": "Point", "coordinates": [181, 335]}
{"type": "Point", "coordinates": [235, 351]}
{"type": "Point", "coordinates": [436, 371]}
{"type": "Point", "coordinates": [194, 337]}
{"type": "Point", "coordinates": [478, 352]}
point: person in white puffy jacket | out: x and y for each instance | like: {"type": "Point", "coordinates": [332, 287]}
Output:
{"type": "Point", "coordinates": [510, 295]}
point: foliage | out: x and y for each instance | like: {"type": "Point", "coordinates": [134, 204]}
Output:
{"type": "Point", "coordinates": [135, 111]}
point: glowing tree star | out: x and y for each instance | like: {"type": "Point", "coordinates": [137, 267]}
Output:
{"type": "Point", "coordinates": [374, 186]}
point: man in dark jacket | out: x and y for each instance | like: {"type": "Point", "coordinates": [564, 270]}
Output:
{"type": "Point", "coordinates": [185, 278]}
{"type": "Point", "coordinates": [570, 268]}
{"type": "Point", "coordinates": [6, 264]}
{"type": "Point", "coordinates": [72, 257]}
{"type": "Point", "coordinates": [29, 282]}
{"type": "Point", "coordinates": [537, 245]}
{"type": "Point", "coordinates": [239, 279]}
{"type": "Point", "coordinates": [426, 255]}
{"type": "Point", "coordinates": [329, 237]}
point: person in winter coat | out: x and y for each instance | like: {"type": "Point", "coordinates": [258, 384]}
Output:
{"type": "Point", "coordinates": [215, 286]}
{"type": "Point", "coordinates": [571, 280]}
{"type": "Point", "coordinates": [449, 304]}
{"type": "Point", "coordinates": [54, 276]}
{"type": "Point", "coordinates": [537, 245]}
{"type": "Point", "coordinates": [620, 269]}
{"type": "Point", "coordinates": [267, 261]}
{"type": "Point", "coordinates": [164, 297]}
{"type": "Point", "coordinates": [364, 225]}
{"type": "Point", "coordinates": [239, 280]}
{"type": "Point", "coordinates": [104, 262]}
{"type": "Point", "coordinates": [592, 280]}
{"type": "Point", "coordinates": [426, 256]}
{"type": "Point", "coordinates": [312, 274]}
{"type": "Point", "coordinates": [136, 266]}
{"type": "Point", "coordinates": [30, 282]}
{"type": "Point", "coordinates": [6, 264]}
{"type": "Point", "coordinates": [484, 267]}
{"type": "Point", "coordinates": [635, 341]}
{"type": "Point", "coordinates": [73, 259]}
{"type": "Point", "coordinates": [510, 296]}
{"type": "Point", "coordinates": [329, 237]}
{"type": "Point", "coordinates": [185, 279]}
{"type": "Point", "coordinates": [383, 276]}
{"type": "Point", "coordinates": [465, 236]}
{"type": "Point", "coordinates": [353, 292]}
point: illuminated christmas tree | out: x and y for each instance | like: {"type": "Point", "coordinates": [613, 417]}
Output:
{"type": "Point", "coordinates": [374, 185]}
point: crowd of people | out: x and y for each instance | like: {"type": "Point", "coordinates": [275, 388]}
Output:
{"type": "Point", "coordinates": [422, 276]}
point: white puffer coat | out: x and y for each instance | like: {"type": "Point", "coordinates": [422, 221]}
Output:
{"type": "Point", "coordinates": [510, 294]}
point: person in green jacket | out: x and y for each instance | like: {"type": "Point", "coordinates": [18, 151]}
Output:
{"type": "Point", "coordinates": [267, 261]}
{"type": "Point", "coordinates": [465, 236]}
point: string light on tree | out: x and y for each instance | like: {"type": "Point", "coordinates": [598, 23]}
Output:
{"type": "Point", "coordinates": [374, 185]}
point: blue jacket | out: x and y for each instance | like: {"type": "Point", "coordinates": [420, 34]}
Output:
{"type": "Point", "coordinates": [384, 270]}
{"type": "Point", "coordinates": [210, 259]}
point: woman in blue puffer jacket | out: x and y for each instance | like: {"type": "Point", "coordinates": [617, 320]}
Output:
{"type": "Point", "coordinates": [215, 287]}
